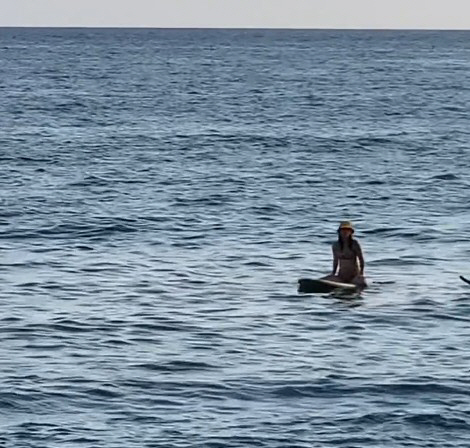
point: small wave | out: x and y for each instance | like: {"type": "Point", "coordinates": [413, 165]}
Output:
{"type": "Point", "coordinates": [446, 316]}
{"type": "Point", "coordinates": [375, 418]}
{"type": "Point", "coordinates": [373, 141]}
{"type": "Point", "coordinates": [422, 303]}
{"type": "Point", "coordinates": [67, 327]}
{"type": "Point", "coordinates": [11, 319]}
{"type": "Point", "coordinates": [445, 176]}
{"type": "Point", "coordinates": [211, 200]}
{"type": "Point", "coordinates": [33, 159]}
{"type": "Point", "coordinates": [160, 327]}
{"type": "Point", "coordinates": [393, 232]}
{"type": "Point", "coordinates": [438, 421]}
{"type": "Point", "coordinates": [375, 182]}
{"type": "Point", "coordinates": [264, 210]}
{"type": "Point", "coordinates": [92, 181]}
{"type": "Point", "coordinates": [258, 264]}
{"type": "Point", "coordinates": [83, 247]}
{"type": "Point", "coordinates": [175, 366]}
{"type": "Point", "coordinates": [103, 392]}
{"type": "Point", "coordinates": [9, 401]}
{"type": "Point", "coordinates": [45, 347]}
{"type": "Point", "coordinates": [73, 230]}
{"type": "Point", "coordinates": [337, 389]}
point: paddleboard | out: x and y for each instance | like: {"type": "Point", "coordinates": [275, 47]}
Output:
{"type": "Point", "coordinates": [466, 280]}
{"type": "Point", "coordinates": [312, 286]}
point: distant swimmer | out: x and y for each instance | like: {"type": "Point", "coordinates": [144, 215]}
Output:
{"type": "Point", "coordinates": [347, 256]}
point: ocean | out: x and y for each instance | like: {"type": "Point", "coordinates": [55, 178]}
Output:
{"type": "Point", "coordinates": [162, 191]}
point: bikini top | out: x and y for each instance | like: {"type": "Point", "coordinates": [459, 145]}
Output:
{"type": "Point", "coordinates": [347, 253]}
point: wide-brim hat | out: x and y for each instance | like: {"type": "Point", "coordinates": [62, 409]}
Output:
{"type": "Point", "coordinates": [346, 225]}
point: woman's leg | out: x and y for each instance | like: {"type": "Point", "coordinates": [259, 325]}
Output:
{"type": "Point", "coordinates": [331, 278]}
{"type": "Point", "coordinates": [360, 281]}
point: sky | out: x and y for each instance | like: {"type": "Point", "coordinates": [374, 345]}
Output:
{"type": "Point", "coordinates": [362, 14]}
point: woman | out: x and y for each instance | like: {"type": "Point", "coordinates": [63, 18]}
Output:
{"type": "Point", "coordinates": [346, 254]}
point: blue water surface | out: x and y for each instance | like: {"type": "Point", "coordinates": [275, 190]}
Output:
{"type": "Point", "coordinates": [163, 190]}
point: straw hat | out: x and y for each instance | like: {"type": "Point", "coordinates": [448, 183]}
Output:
{"type": "Point", "coordinates": [346, 225]}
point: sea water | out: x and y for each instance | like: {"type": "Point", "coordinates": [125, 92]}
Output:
{"type": "Point", "coordinates": [163, 190]}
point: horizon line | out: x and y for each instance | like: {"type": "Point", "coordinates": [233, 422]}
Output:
{"type": "Point", "coordinates": [267, 28]}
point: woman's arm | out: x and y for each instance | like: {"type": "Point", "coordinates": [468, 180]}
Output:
{"type": "Point", "coordinates": [361, 258]}
{"type": "Point", "coordinates": [335, 260]}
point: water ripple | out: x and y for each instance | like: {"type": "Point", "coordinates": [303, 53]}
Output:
{"type": "Point", "coordinates": [162, 192]}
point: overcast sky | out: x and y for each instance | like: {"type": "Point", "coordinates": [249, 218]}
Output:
{"type": "Point", "coordinates": [414, 14]}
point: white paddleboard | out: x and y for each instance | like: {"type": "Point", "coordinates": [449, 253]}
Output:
{"type": "Point", "coordinates": [311, 286]}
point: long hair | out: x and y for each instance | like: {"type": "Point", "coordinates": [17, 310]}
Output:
{"type": "Point", "coordinates": [349, 241]}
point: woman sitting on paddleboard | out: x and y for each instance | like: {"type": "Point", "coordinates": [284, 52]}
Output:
{"type": "Point", "coordinates": [346, 254]}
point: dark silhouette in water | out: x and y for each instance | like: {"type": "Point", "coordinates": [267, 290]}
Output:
{"type": "Point", "coordinates": [465, 279]}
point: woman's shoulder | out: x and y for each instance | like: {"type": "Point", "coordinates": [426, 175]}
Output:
{"type": "Point", "coordinates": [356, 244]}
{"type": "Point", "coordinates": [335, 247]}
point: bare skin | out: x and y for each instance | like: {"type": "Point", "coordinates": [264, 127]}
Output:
{"type": "Point", "coordinates": [349, 260]}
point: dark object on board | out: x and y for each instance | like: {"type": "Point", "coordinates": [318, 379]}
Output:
{"type": "Point", "coordinates": [312, 286]}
